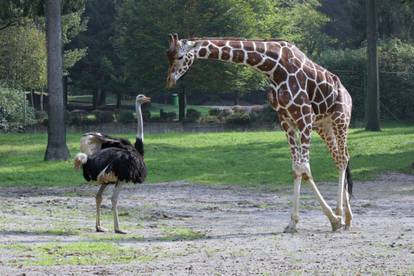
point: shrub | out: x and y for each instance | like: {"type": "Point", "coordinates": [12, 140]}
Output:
{"type": "Point", "coordinates": [238, 119]}
{"type": "Point", "coordinates": [146, 115]}
{"type": "Point", "coordinates": [125, 117]}
{"type": "Point", "coordinates": [214, 111]}
{"type": "Point", "coordinates": [268, 115]}
{"type": "Point", "coordinates": [209, 120]}
{"type": "Point", "coordinates": [167, 116]}
{"type": "Point", "coordinates": [41, 116]}
{"type": "Point", "coordinates": [103, 116]}
{"type": "Point", "coordinates": [193, 115]}
{"type": "Point", "coordinates": [15, 111]}
{"type": "Point", "coordinates": [77, 117]}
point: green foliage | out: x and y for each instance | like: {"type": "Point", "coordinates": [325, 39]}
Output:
{"type": "Point", "coordinates": [193, 115]}
{"type": "Point", "coordinates": [103, 116]}
{"type": "Point", "coordinates": [23, 57]}
{"type": "Point", "coordinates": [396, 64]}
{"type": "Point", "coordinates": [238, 118]}
{"type": "Point", "coordinates": [15, 111]}
{"type": "Point", "coordinates": [125, 117]}
{"type": "Point", "coordinates": [210, 119]}
{"type": "Point", "coordinates": [167, 116]}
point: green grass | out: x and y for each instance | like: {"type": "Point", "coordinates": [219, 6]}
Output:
{"type": "Point", "coordinates": [246, 158]}
{"type": "Point", "coordinates": [78, 253]}
{"type": "Point", "coordinates": [180, 234]}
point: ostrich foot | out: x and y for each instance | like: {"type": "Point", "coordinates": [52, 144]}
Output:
{"type": "Point", "coordinates": [100, 229]}
{"type": "Point", "coordinates": [291, 228]}
{"type": "Point", "coordinates": [337, 223]}
{"type": "Point", "coordinates": [119, 231]}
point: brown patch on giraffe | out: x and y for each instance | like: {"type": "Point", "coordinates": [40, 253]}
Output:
{"type": "Point", "coordinates": [238, 56]}
{"type": "Point", "coordinates": [253, 58]}
{"type": "Point", "coordinates": [225, 53]}
{"type": "Point", "coordinates": [214, 52]}
{"type": "Point", "coordinates": [322, 107]}
{"type": "Point", "coordinates": [205, 43]}
{"type": "Point", "coordinates": [311, 85]}
{"type": "Point", "coordinates": [298, 53]}
{"type": "Point", "coordinates": [219, 43]}
{"type": "Point", "coordinates": [260, 47]}
{"type": "Point", "coordinates": [301, 98]}
{"type": "Point", "coordinates": [283, 97]}
{"type": "Point", "coordinates": [248, 45]}
{"type": "Point", "coordinates": [294, 112]}
{"type": "Point", "coordinates": [301, 78]}
{"type": "Point", "coordinates": [267, 65]}
{"type": "Point", "coordinates": [293, 84]}
{"type": "Point", "coordinates": [202, 52]}
{"type": "Point", "coordinates": [318, 96]}
{"type": "Point", "coordinates": [235, 44]}
{"type": "Point", "coordinates": [319, 76]}
{"type": "Point", "coordinates": [280, 74]}
{"type": "Point", "coordinates": [273, 50]}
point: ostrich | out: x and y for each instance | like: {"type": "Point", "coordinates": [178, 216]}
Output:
{"type": "Point", "coordinates": [109, 160]}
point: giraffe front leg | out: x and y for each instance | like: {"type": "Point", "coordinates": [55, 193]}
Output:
{"type": "Point", "coordinates": [303, 167]}
{"type": "Point", "coordinates": [291, 137]}
{"type": "Point", "coordinates": [294, 218]}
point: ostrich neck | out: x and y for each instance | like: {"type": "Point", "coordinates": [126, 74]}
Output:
{"type": "Point", "coordinates": [140, 126]}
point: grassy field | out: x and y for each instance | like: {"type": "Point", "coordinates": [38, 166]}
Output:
{"type": "Point", "coordinates": [245, 158]}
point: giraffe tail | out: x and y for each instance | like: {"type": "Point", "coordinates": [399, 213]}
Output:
{"type": "Point", "coordinates": [349, 181]}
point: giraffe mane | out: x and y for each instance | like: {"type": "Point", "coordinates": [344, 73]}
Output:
{"type": "Point", "coordinates": [232, 38]}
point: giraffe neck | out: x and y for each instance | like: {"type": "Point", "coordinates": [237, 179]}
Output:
{"type": "Point", "coordinates": [264, 56]}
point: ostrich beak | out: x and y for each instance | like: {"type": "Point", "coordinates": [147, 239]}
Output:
{"type": "Point", "coordinates": [147, 100]}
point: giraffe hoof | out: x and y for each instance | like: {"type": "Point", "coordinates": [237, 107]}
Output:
{"type": "Point", "coordinates": [290, 229]}
{"type": "Point", "coordinates": [100, 229]}
{"type": "Point", "coordinates": [119, 231]}
{"type": "Point", "coordinates": [337, 224]}
{"type": "Point", "coordinates": [348, 226]}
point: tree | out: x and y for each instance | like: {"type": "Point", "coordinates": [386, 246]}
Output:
{"type": "Point", "coordinates": [372, 114]}
{"type": "Point", "coordinates": [100, 71]}
{"type": "Point", "coordinates": [56, 143]}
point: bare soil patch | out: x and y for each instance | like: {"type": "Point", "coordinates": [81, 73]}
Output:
{"type": "Point", "coordinates": [183, 228]}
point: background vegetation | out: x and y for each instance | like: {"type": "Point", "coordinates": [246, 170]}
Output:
{"type": "Point", "coordinates": [115, 48]}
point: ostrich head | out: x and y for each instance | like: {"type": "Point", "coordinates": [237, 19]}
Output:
{"type": "Point", "coordinates": [141, 99]}
{"type": "Point", "coordinates": [181, 56]}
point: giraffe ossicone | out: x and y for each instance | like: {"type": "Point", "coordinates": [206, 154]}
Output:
{"type": "Point", "coordinates": [305, 96]}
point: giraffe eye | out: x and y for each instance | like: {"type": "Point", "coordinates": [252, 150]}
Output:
{"type": "Point", "coordinates": [180, 58]}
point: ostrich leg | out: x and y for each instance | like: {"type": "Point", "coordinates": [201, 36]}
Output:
{"type": "Point", "coordinates": [98, 198]}
{"type": "Point", "coordinates": [114, 200]}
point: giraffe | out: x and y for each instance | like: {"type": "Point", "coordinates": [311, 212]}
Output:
{"type": "Point", "coordinates": [305, 96]}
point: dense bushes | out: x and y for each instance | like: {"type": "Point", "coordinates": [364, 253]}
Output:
{"type": "Point", "coordinates": [396, 65]}
{"type": "Point", "coordinates": [103, 116]}
{"type": "Point", "coordinates": [125, 117]}
{"type": "Point", "coordinates": [15, 111]}
{"type": "Point", "coordinates": [193, 115]}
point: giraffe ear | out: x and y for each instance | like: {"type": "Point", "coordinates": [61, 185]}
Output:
{"type": "Point", "coordinates": [172, 42]}
{"type": "Point", "coordinates": [176, 37]}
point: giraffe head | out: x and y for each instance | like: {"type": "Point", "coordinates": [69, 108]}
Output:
{"type": "Point", "coordinates": [181, 56]}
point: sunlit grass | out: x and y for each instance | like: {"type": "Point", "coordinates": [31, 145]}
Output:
{"type": "Point", "coordinates": [246, 158]}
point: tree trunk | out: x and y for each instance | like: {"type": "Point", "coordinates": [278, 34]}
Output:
{"type": "Point", "coordinates": [372, 114]}
{"type": "Point", "coordinates": [56, 139]}
{"type": "Point", "coordinates": [182, 104]}
{"type": "Point", "coordinates": [118, 100]}
{"type": "Point", "coordinates": [65, 92]}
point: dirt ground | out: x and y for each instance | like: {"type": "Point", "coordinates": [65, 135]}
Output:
{"type": "Point", "coordinates": [189, 229]}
